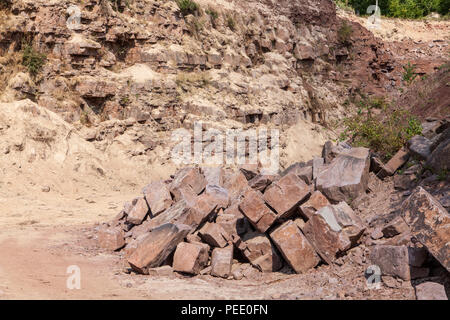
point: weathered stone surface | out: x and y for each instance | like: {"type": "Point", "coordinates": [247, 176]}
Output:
{"type": "Point", "coordinates": [392, 260]}
{"type": "Point", "coordinates": [395, 227]}
{"type": "Point", "coordinates": [429, 223]}
{"type": "Point", "coordinates": [242, 224]}
{"type": "Point", "coordinates": [158, 197]}
{"type": "Point", "coordinates": [420, 147]}
{"type": "Point", "coordinates": [218, 195]}
{"type": "Point", "coordinates": [249, 170]}
{"type": "Point", "coordinates": [139, 211]}
{"type": "Point", "coordinates": [192, 214]}
{"type": "Point", "coordinates": [285, 194]}
{"type": "Point", "coordinates": [261, 182]}
{"type": "Point", "coordinates": [405, 181]}
{"type": "Point", "coordinates": [302, 170]}
{"type": "Point", "coordinates": [430, 291]}
{"type": "Point", "coordinates": [252, 205]}
{"type": "Point", "coordinates": [260, 252]}
{"type": "Point", "coordinates": [214, 235]}
{"type": "Point", "coordinates": [316, 202]}
{"type": "Point", "coordinates": [221, 260]}
{"type": "Point", "coordinates": [318, 166]}
{"type": "Point", "coordinates": [236, 184]}
{"type": "Point", "coordinates": [153, 249]}
{"type": "Point", "coordinates": [111, 238]}
{"type": "Point", "coordinates": [190, 257]}
{"type": "Point", "coordinates": [398, 160]}
{"type": "Point", "coordinates": [417, 256]}
{"type": "Point", "coordinates": [439, 158]}
{"type": "Point", "coordinates": [331, 232]}
{"type": "Point", "coordinates": [346, 177]}
{"type": "Point", "coordinates": [295, 248]}
{"type": "Point", "coordinates": [187, 177]}
{"type": "Point", "coordinates": [229, 223]}
{"type": "Point", "coordinates": [352, 225]}
{"type": "Point", "coordinates": [213, 175]}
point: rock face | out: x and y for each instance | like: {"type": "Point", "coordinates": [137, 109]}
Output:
{"type": "Point", "coordinates": [346, 177]}
{"type": "Point", "coordinates": [190, 257]}
{"type": "Point", "coordinates": [254, 208]}
{"type": "Point", "coordinates": [294, 247]}
{"type": "Point", "coordinates": [285, 194]}
{"type": "Point", "coordinates": [156, 246]}
{"type": "Point", "coordinates": [429, 223]}
{"type": "Point", "coordinates": [260, 252]}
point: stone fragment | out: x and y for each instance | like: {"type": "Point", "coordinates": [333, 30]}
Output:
{"type": "Point", "coordinates": [429, 223]}
{"type": "Point", "coordinates": [190, 257]}
{"type": "Point", "coordinates": [218, 195]}
{"type": "Point", "coordinates": [302, 170]}
{"type": "Point", "coordinates": [252, 205]}
{"type": "Point", "coordinates": [139, 211]}
{"type": "Point", "coordinates": [221, 261]}
{"type": "Point", "coordinates": [420, 147]}
{"type": "Point", "coordinates": [187, 177]}
{"type": "Point", "coordinates": [398, 160]}
{"type": "Point", "coordinates": [154, 248]}
{"type": "Point", "coordinates": [242, 224]}
{"type": "Point", "coordinates": [236, 184]}
{"type": "Point", "coordinates": [213, 175]}
{"type": "Point", "coordinates": [249, 170]}
{"type": "Point", "coordinates": [392, 260]}
{"type": "Point", "coordinates": [158, 197]}
{"type": "Point", "coordinates": [111, 238]}
{"type": "Point", "coordinates": [430, 291]}
{"type": "Point", "coordinates": [214, 235]}
{"type": "Point", "coordinates": [316, 202]}
{"type": "Point", "coordinates": [260, 252]}
{"type": "Point", "coordinates": [318, 166]}
{"type": "Point", "coordinates": [295, 248]}
{"type": "Point", "coordinates": [405, 181]}
{"type": "Point", "coordinates": [261, 182]}
{"type": "Point", "coordinates": [395, 227]}
{"type": "Point", "coordinates": [285, 194]}
{"type": "Point", "coordinates": [346, 178]}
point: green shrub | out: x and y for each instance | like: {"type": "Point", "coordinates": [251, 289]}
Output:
{"type": "Point", "coordinates": [32, 59]}
{"type": "Point", "coordinates": [383, 132]}
{"type": "Point", "coordinates": [231, 23]}
{"type": "Point", "coordinates": [409, 74]}
{"type": "Point", "coordinates": [187, 7]}
{"type": "Point", "coordinates": [345, 33]}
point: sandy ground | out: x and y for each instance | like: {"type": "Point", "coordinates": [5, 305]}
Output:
{"type": "Point", "coordinates": [43, 233]}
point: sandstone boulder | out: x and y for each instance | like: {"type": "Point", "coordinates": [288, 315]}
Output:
{"type": "Point", "coordinates": [285, 194]}
{"type": "Point", "coordinates": [316, 202]}
{"type": "Point", "coordinates": [214, 235]}
{"type": "Point", "coordinates": [392, 260]}
{"type": "Point", "coordinates": [346, 177]}
{"type": "Point", "coordinates": [295, 248]}
{"type": "Point", "coordinates": [429, 223]}
{"type": "Point", "coordinates": [139, 211]}
{"type": "Point", "coordinates": [111, 238]}
{"type": "Point", "coordinates": [430, 291]}
{"type": "Point", "coordinates": [260, 252]}
{"type": "Point", "coordinates": [252, 205]}
{"type": "Point", "coordinates": [221, 261]}
{"type": "Point", "coordinates": [154, 248]}
{"type": "Point", "coordinates": [190, 257]}
{"type": "Point", "coordinates": [158, 197]}
{"type": "Point", "coordinates": [190, 178]}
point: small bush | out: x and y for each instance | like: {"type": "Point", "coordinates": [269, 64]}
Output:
{"type": "Point", "coordinates": [409, 74]}
{"type": "Point", "coordinates": [383, 132]}
{"type": "Point", "coordinates": [32, 59]}
{"type": "Point", "coordinates": [214, 15]}
{"type": "Point", "coordinates": [187, 7]}
{"type": "Point", "coordinates": [345, 33]}
{"type": "Point", "coordinates": [231, 23]}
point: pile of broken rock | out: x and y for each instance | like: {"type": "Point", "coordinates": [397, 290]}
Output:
{"type": "Point", "coordinates": [300, 216]}
{"type": "Point", "coordinates": [217, 220]}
